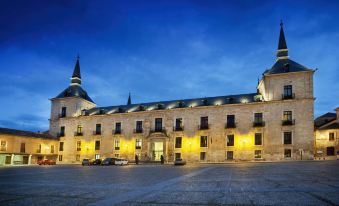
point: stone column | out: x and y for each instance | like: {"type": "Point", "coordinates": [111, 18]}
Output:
{"type": "Point", "coordinates": [29, 159]}
{"type": "Point", "coordinates": [12, 159]}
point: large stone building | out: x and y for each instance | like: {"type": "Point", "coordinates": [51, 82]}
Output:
{"type": "Point", "coordinates": [273, 123]}
{"type": "Point", "coordinates": [327, 136]}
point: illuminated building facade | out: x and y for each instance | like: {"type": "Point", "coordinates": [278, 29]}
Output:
{"type": "Point", "coordinates": [273, 123]}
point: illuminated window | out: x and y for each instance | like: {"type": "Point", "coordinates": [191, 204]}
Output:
{"type": "Point", "coordinates": [257, 154]}
{"type": "Point", "coordinates": [52, 149]}
{"type": "Point", "coordinates": [117, 144]}
{"type": "Point", "coordinates": [203, 141]}
{"type": "Point", "coordinates": [77, 157]}
{"type": "Point", "coordinates": [138, 143]}
{"type": "Point", "coordinates": [3, 146]}
{"type": "Point", "coordinates": [60, 158]}
{"type": "Point", "coordinates": [78, 145]}
{"type": "Point", "coordinates": [331, 136]}
{"type": "Point", "coordinates": [202, 156]}
{"type": "Point", "coordinates": [178, 141]}
{"type": "Point", "coordinates": [97, 145]}
{"type": "Point", "coordinates": [287, 137]}
{"type": "Point", "coordinates": [258, 139]}
{"type": "Point", "coordinates": [330, 151]}
{"type": "Point", "coordinates": [22, 148]}
{"type": "Point", "coordinates": [97, 156]}
{"type": "Point", "coordinates": [79, 129]}
{"type": "Point", "coordinates": [229, 155]}
{"type": "Point", "coordinates": [61, 146]}
{"type": "Point", "coordinates": [287, 116]}
{"type": "Point", "coordinates": [230, 140]}
{"type": "Point", "coordinates": [288, 153]}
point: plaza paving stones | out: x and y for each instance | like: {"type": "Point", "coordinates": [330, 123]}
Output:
{"type": "Point", "coordinates": [281, 183]}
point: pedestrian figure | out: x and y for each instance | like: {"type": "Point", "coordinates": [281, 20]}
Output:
{"type": "Point", "coordinates": [136, 159]}
{"type": "Point", "coordinates": [162, 159]}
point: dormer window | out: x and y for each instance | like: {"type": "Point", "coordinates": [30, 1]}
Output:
{"type": "Point", "coordinates": [205, 102]}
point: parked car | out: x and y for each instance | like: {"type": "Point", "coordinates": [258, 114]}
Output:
{"type": "Point", "coordinates": [86, 162]}
{"type": "Point", "coordinates": [46, 162]}
{"type": "Point", "coordinates": [179, 161]}
{"type": "Point", "coordinates": [108, 161]}
{"type": "Point", "coordinates": [121, 162]}
{"type": "Point", "coordinates": [96, 162]}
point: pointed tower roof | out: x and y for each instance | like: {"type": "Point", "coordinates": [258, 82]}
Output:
{"type": "Point", "coordinates": [282, 52]}
{"type": "Point", "coordinates": [129, 101]}
{"type": "Point", "coordinates": [76, 77]}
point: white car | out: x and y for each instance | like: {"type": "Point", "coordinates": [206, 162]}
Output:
{"type": "Point", "coordinates": [121, 162]}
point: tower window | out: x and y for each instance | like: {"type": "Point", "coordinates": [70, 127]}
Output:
{"type": "Point", "coordinates": [287, 137]}
{"type": "Point", "coordinates": [288, 94]}
{"type": "Point", "coordinates": [63, 112]}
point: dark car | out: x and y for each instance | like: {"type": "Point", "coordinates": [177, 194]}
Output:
{"type": "Point", "coordinates": [96, 162]}
{"type": "Point", "coordinates": [108, 161]}
{"type": "Point", "coordinates": [179, 161]}
{"type": "Point", "coordinates": [46, 162]}
{"type": "Point", "coordinates": [86, 162]}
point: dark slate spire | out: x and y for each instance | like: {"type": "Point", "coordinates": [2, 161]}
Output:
{"type": "Point", "coordinates": [282, 52]}
{"type": "Point", "coordinates": [76, 77]}
{"type": "Point", "coordinates": [129, 101]}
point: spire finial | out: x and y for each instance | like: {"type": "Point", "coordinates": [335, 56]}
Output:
{"type": "Point", "coordinates": [76, 77]}
{"type": "Point", "coordinates": [282, 52]}
{"type": "Point", "coordinates": [281, 23]}
{"type": "Point", "coordinates": [129, 101]}
{"type": "Point", "coordinates": [78, 56]}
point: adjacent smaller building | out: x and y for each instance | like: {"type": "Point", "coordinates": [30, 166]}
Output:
{"type": "Point", "coordinates": [19, 147]}
{"type": "Point", "coordinates": [327, 136]}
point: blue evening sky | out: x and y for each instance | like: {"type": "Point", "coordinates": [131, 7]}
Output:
{"type": "Point", "coordinates": [157, 50]}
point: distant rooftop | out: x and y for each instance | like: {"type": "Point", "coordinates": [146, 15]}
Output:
{"type": "Point", "coordinates": [22, 133]}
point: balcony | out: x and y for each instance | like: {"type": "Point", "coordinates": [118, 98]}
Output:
{"type": "Point", "coordinates": [290, 96]}
{"type": "Point", "coordinates": [78, 134]}
{"type": "Point", "coordinates": [258, 124]}
{"type": "Point", "coordinates": [203, 126]}
{"type": "Point", "coordinates": [96, 132]}
{"type": "Point", "coordinates": [230, 125]}
{"type": "Point", "coordinates": [61, 134]}
{"type": "Point", "coordinates": [138, 131]}
{"type": "Point", "coordinates": [178, 128]}
{"type": "Point", "coordinates": [158, 129]}
{"type": "Point", "coordinates": [116, 131]}
{"type": "Point", "coordinates": [137, 147]}
{"type": "Point", "coordinates": [287, 122]}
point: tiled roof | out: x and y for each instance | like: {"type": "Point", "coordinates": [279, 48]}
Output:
{"type": "Point", "coordinates": [181, 103]}
{"type": "Point", "coordinates": [75, 91]}
{"type": "Point", "coordinates": [285, 66]}
{"type": "Point", "coordinates": [22, 133]}
{"type": "Point", "coordinates": [324, 119]}
{"type": "Point", "coordinates": [334, 125]}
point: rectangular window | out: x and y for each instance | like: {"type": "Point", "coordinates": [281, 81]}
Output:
{"type": "Point", "coordinates": [52, 149]}
{"type": "Point", "coordinates": [97, 145]}
{"type": "Point", "coordinates": [230, 140]}
{"type": "Point", "coordinates": [97, 156]}
{"type": "Point", "coordinates": [79, 130]}
{"type": "Point", "coordinates": [288, 153]}
{"type": "Point", "coordinates": [3, 146]}
{"type": "Point", "coordinates": [331, 136]}
{"type": "Point", "coordinates": [257, 154]}
{"type": "Point", "coordinates": [117, 144]}
{"type": "Point", "coordinates": [287, 137]}
{"type": "Point", "coordinates": [39, 149]}
{"type": "Point", "coordinates": [23, 148]}
{"type": "Point", "coordinates": [63, 111]}
{"type": "Point", "coordinates": [202, 156]}
{"type": "Point", "coordinates": [177, 155]}
{"type": "Point", "coordinates": [61, 146]}
{"type": "Point", "coordinates": [203, 122]}
{"type": "Point", "coordinates": [230, 121]}
{"type": "Point", "coordinates": [258, 139]}
{"type": "Point", "coordinates": [158, 124]}
{"type": "Point", "coordinates": [78, 145]}
{"type": "Point", "coordinates": [138, 143]}
{"type": "Point", "coordinates": [118, 128]}
{"type": "Point", "coordinates": [60, 158]}
{"type": "Point", "coordinates": [178, 141]}
{"type": "Point", "coordinates": [116, 155]}
{"type": "Point", "coordinates": [77, 157]}
{"type": "Point", "coordinates": [288, 92]}
{"type": "Point", "coordinates": [330, 151]}
{"type": "Point", "coordinates": [178, 124]}
{"type": "Point", "coordinates": [62, 131]}
{"type": "Point", "coordinates": [203, 141]}
{"type": "Point", "coordinates": [287, 116]}
{"type": "Point", "coordinates": [98, 129]}
{"type": "Point", "coordinates": [229, 155]}
{"type": "Point", "coordinates": [138, 127]}
{"type": "Point", "coordinates": [258, 117]}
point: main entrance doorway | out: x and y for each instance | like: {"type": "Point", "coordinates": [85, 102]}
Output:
{"type": "Point", "coordinates": [157, 150]}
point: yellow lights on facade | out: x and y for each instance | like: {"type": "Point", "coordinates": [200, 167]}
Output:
{"type": "Point", "coordinates": [244, 100]}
